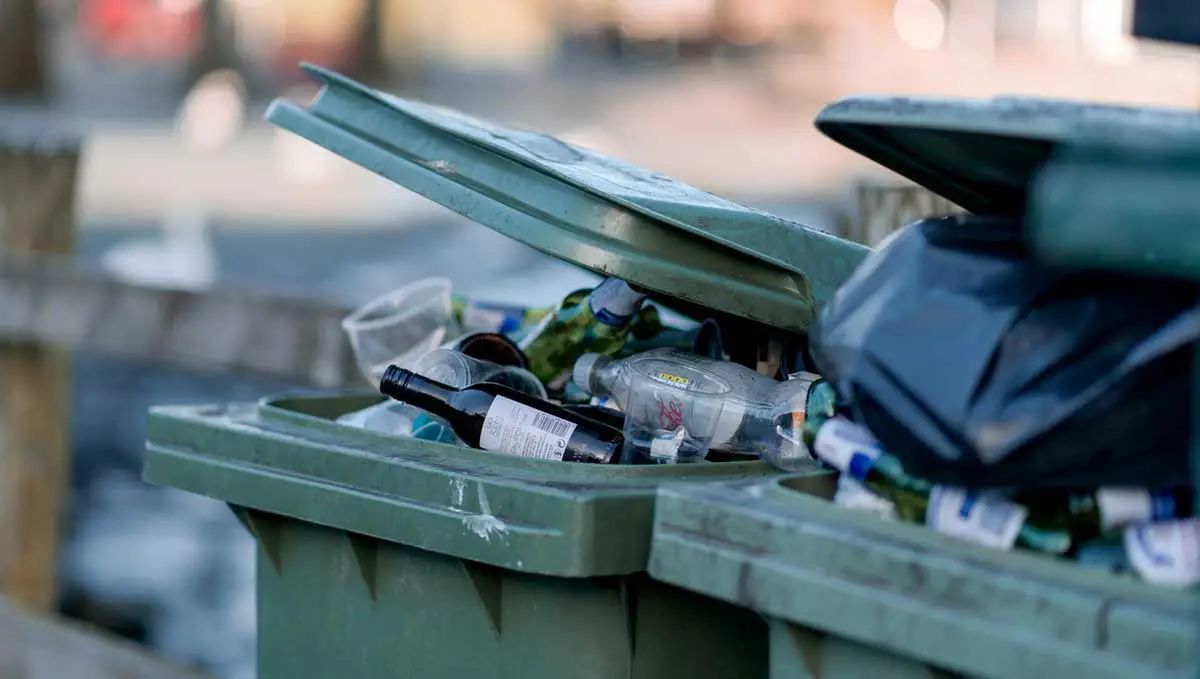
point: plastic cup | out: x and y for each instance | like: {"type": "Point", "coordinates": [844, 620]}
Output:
{"type": "Point", "coordinates": [399, 327]}
{"type": "Point", "coordinates": [672, 413]}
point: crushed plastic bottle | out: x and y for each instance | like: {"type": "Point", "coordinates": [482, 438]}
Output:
{"type": "Point", "coordinates": [718, 404]}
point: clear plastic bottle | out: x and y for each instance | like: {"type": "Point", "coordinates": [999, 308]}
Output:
{"type": "Point", "coordinates": [748, 412]}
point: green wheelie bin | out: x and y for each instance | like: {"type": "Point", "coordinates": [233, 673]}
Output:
{"type": "Point", "coordinates": [382, 556]}
{"type": "Point", "coordinates": [849, 594]}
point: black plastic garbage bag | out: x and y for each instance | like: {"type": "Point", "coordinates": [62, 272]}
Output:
{"type": "Point", "coordinates": [978, 366]}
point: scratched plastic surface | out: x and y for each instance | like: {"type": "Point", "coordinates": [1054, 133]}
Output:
{"type": "Point", "coordinates": [381, 556]}
{"type": "Point", "coordinates": [580, 206]}
{"type": "Point", "coordinates": [983, 154]}
{"type": "Point", "coordinates": [849, 594]}
{"type": "Point", "coordinates": [279, 455]}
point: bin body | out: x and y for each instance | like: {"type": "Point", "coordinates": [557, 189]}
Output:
{"type": "Point", "coordinates": [851, 595]}
{"type": "Point", "coordinates": [380, 556]}
{"type": "Point", "coordinates": [415, 613]}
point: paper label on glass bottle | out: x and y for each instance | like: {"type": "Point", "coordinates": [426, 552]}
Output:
{"type": "Point", "coordinates": [848, 447]}
{"type": "Point", "coordinates": [514, 428]}
{"type": "Point", "coordinates": [1124, 506]}
{"type": "Point", "coordinates": [987, 520]}
{"type": "Point", "coordinates": [1165, 553]}
{"type": "Point", "coordinates": [613, 302]}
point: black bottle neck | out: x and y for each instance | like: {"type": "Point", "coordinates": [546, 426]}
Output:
{"type": "Point", "coordinates": [409, 387]}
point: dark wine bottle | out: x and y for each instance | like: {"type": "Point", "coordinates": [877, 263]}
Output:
{"type": "Point", "coordinates": [601, 414]}
{"type": "Point", "coordinates": [503, 420]}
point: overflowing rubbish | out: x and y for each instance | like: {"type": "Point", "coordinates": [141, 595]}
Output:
{"type": "Point", "coordinates": [1007, 403]}
{"type": "Point", "coordinates": [963, 377]}
{"type": "Point", "coordinates": [603, 356]}
{"type": "Point", "coordinates": [978, 366]}
{"type": "Point", "coordinates": [1147, 531]}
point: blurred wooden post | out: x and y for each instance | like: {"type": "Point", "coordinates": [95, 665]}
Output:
{"type": "Point", "coordinates": [884, 207]}
{"type": "Point", "coordinates": [37, 190]}
{"type": "Point", "coordinates": [21, 69]}
{"type": "Point", "coordinates": [369, 62]}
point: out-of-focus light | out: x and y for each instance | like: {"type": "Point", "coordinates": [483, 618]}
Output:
{"type": "Point", "coordinates": [751, 22]}
{"type": "Point", "coordinates": [261, 27]}
{"type": "Point", "coordinates": [664, 19]}
{"type": "Point", "coordinates": [594, 139]}
{"type": "Point", "coordinates": [921, 24]}
{"type": "Point", "coordinates": [179, 6]}
{"type": "Point", "coordinates": [298, 160]}
{"type": "Point", "coordinates": [213, 112]}
{"type": "Point", "coordinates": [1104, 30]}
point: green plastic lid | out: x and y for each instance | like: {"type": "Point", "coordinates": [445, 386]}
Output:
{"type": "Point", "coordinates": [982, 154]}
{"type": "Point", "coordinates": [580, 206]}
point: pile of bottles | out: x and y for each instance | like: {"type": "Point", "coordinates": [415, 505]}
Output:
{"type": "Point", "coordinates": [1151, 532]}
{"type": "Point", "coordinates": [599, 378]}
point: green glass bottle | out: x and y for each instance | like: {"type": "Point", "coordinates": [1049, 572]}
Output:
{"type": "Point", "coordinates": [977, 517]}
{"type": "Point", "coordinates": [822, 405]}
{"type": "Point", "coordinates": [598, 323]}
{"type": "Point", "coordinates": [1091, 514]}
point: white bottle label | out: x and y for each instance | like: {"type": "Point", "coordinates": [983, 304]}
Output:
{"type": "Point", "coordinates": [1165, 553]}
{"type": "Point", "coordinates": [613, 302]}
{"type": "Point", "coordinates": [987, 520]}
{"type": "Point", "coordinates": [1121, 507]}
{"type": "Point", "coordinates": [847, 446]}
{"type": "Point", "coordinates": [853, 495]}
{"type": "Point", "coordinates": [514, 428]}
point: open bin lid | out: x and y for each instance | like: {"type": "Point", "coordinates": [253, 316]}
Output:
{"type": "Point", "coordinates": [580, 206]}
{"type": "Point", "coordinates": [982, 154]}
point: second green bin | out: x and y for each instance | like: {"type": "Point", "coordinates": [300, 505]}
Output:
{"type": "Point", "coordinates": [849, 594]}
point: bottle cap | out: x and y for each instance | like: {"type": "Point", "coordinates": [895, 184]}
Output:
{"type": "Point", "coordinates": [581, 375]}
{"type": "Point", "coordinates": [614, 302]}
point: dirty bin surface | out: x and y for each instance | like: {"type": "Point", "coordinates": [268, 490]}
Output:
{"type": "Point", "coordinates": [388, 557]}
{"type": "Point", "coordinates": [849, 594]}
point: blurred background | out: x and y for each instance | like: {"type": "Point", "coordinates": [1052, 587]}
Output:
{"type": "Point", "coordinates": [182, 186]}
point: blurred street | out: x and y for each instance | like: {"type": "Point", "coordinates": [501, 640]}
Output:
{"type": "Point", "coordinates": [183, 185]}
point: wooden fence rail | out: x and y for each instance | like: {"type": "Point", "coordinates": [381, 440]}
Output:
{"type": "Point", "coordinates": [50, 301]}
{"type": "Point", "coordinates": [36, 646]}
